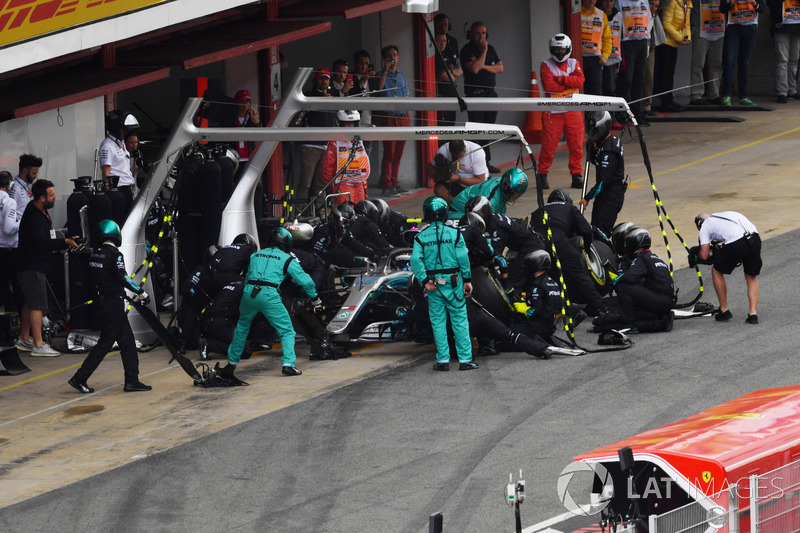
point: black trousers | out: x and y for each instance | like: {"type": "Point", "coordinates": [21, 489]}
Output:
{"type": "Point", "coordinates": [593, 74]}
{"type": "Point", "coordinates": [483, 326]}
{"type": "Point", "coordinates": [10, 294]}
{"type": "Point", "coordinates": [127, 193]}
{"type": "Point", "coordinates": [630, 82]}
{"type": "Point", "coordinates": [535, 327]}
{"type": "Point", "coordinates": [607, 206]}
{"type": "Point", "coordinates": [666, 58]}
{"type": "Point", "coordinates": [638, 302]}
{"type": "Point", "coordinates": [579, 285]}
{"type": "Point", "coordinates": [115, 328]}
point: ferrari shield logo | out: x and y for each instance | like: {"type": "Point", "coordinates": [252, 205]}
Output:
{"type": "Point", "coordinates": [706, 476]}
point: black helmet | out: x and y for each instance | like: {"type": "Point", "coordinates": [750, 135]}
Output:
{"type": "Point", "coordinates": [480, 205]}
{"type": "Point", "coordinates": [383, 210]}
{"type": "Point", "coordinates": [280, 238]}
{"type": "Point", "coordinates": [434, 209]}
{"type": "Point", "coordinates": [635, 240]}
{"type": "Point", "coordinates": [699, 219]}
{"type": "Point", "coordinates": [559, 195]}
{"type": "Point", "coordinates": [598, 125]}
{"type": "Point", "coordinates": [118, 119]}
{"type": "Point", "coordinates": [108, 230]}
{"type": "Point", "coordinates": [341, 216]}
{"type": "Point", "coordinates": [536, 261]}
{"type": "Point", "coordinates": [473, 219]}
{"type": "Point", "coordinates": [368, 209]}
{"type": "Point", "coordinates": [513, 185]}
{"type": "Point", "coordinates": [246, 239]}
{"type": "Point", "coordinates": [618, 236]}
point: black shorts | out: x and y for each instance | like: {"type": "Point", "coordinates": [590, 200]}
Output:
{"type": "Point", "coordinates": [34, 289]}
{"type": "Point", "coordinates": [748, 254]}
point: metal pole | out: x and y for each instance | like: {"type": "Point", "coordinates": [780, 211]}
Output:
{"type": "Point", "coordinates": [733, 508]}
{"type": "Point", "coordinates": [66, 287]}
{"type": "Point", "coordinates": [754, 503]}
{"type": "Point", "coordinates": [175, 271]}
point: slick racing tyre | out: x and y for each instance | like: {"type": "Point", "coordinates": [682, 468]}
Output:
{"type": "Point", "coordinates": [488, 292]}
{"type": "Point", "coordinates": [599, 261]}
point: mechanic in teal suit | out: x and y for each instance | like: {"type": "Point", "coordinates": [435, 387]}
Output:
{"type": "Point", "coordinates": [501, 191]}
{"type": "Point", "coordinates": [439, 260]}
{"type": "Point", "coordinates": [268, 268]}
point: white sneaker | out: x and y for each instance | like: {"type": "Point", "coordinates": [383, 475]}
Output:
{"type": "Point", "coordinates": [45, 350]}
{"type": "Point", "coordinates": [24, 346]}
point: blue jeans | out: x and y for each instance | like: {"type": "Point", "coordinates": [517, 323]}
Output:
{"type": "Point", "coordinates": [740, 40]}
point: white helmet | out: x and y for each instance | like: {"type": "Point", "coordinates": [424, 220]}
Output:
{"type": "Point", "coordinates": [560, 47]}
{"type": "Point", "coordinates": [348, 115]}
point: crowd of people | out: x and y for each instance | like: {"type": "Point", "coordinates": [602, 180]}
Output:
{"type": "Point", "coordinates": [623, 46]}
{"type": "Point", "coordinates": [630, 49]}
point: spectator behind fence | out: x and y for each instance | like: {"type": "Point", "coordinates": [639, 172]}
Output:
{"type": "Point", "coordinates": [636, 32]}
{"type": "Point", "coordinates": [657, 38]}
{"type": "Point", "coordinates": [611, 68]}
{"type": "Point", "coordinates": [595, 46]}
{"type": "Point", "coordinates": [447, 71]}
{"type": "Point", "coordinates": [341, 81]}
{"type": "Point", "coordinates": [393, 84]}
{"type": "Point", "coordinates": [740, 41]}
{"type": "Point", "coordinates": [311, 152]}
{"type": "Point", "coordinates": [247, 116]}
{"type": "Point", "coordinates": [481, 66]}
{"type": "Point", "coordinates": [785, 31]}
{"type": "Point", "coordinates": [675, 19]}
{"type": "Point", "coordinates": [708, 31]}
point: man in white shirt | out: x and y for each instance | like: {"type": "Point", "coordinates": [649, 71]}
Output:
{"type": "Point", "coordinates": [740, 245]}
{"type": "Point", "coordinates": [115, 160]}
{"type": "Point", "coordinates": [20, 189]}
{"type": "Point", "coordinates": [457, 165]}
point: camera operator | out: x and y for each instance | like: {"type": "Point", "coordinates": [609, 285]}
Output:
{"type": "Point", "coordinates": [741, 245]}
{"type": "Point", "coordinates": [457, 165]}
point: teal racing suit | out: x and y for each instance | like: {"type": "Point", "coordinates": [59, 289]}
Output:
{"type": "Point", "coordinates": [268, 268]}
{"type": "Point", "coordinates": [440, 254]}
{"type": "Point", "coordinates": [489, 188]}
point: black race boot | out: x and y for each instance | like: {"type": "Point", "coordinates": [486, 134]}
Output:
{"type": "Point", "coordinates": [137, 386]}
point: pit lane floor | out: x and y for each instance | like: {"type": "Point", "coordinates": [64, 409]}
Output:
{"type": "Point", "coordinates": [379, 441]}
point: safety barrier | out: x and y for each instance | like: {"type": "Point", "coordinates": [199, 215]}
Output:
{"type": "Point", "coordinates": [718, 512]}
{"type": "Point", "coordinates": [770, 503]}
{"type": "Point", "coordinates": [775, 500]}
